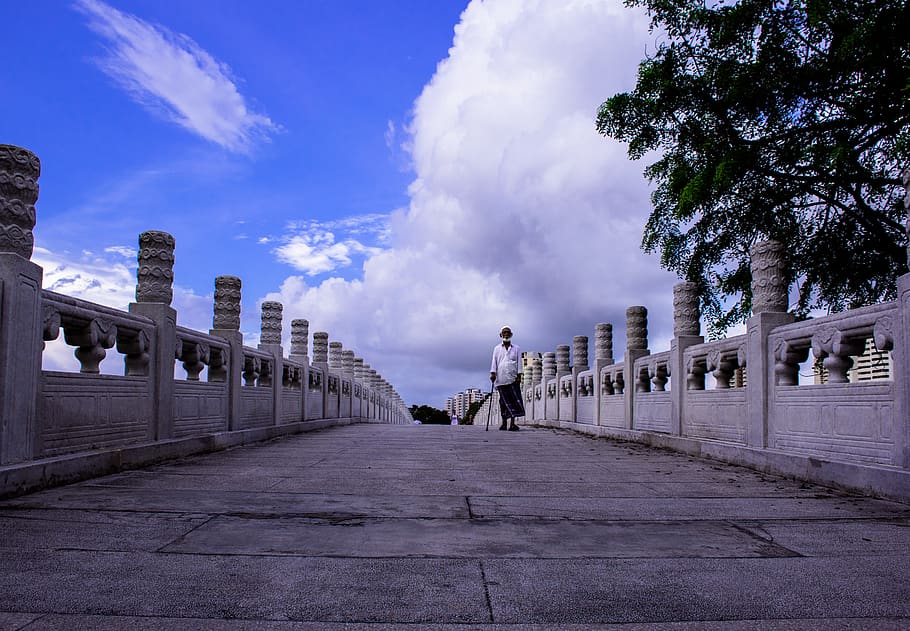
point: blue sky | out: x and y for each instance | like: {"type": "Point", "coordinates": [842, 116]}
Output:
{"type": "Point", "coordinates": [406, 174]}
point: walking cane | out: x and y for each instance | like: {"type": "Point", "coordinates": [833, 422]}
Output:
{"type": "Point", "coordinates": [490, 408]}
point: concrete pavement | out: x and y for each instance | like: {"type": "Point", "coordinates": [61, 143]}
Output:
{"type": "Point", "coordinates": [438, 527]}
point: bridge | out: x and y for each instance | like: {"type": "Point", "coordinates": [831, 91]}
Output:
{"type": "Point", "coordinates": [555, 500]}
{"type": "Point", "coordinates": [450, 527]}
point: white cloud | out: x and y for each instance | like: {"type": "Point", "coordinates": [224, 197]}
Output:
{"type": "Point", "coordinates": [519, 211]}
{"type": "Point", "coordinates": [312, 247]}
{"type": "Point", "coordinates": [173, 76]}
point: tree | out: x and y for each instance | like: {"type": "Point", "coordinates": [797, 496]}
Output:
{"type": "Point", "coordinates": [774, 119]}
{"type": "Point", "coordinates": [429, 415]}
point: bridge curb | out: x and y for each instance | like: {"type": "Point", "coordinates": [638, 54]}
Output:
{"type": "Point", "coordinates": [36, 475]}
{"type": "Point", "coordinates": [880, 481]}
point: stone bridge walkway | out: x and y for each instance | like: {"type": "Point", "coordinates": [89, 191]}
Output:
{"type": "Point", "coordinates": [450, 527]}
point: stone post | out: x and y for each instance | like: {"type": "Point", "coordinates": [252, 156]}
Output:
{"type": "Point", "coordinates": [636, 348]}
{"type": "Point", "coordinates": [335, 349]}
{"type": "Point", "coordinates": [321, 350]}
{"type": "Point", "coordinates": [226, 325]}
{"type": "Point", "coordinates": [154, 292]}
{"type": "Point", "coordinates": [686, 333]}
{"type": "Point", "coordinates": [769, 310]}
{"type": "Point", "coordinates": [21, 320]}
{"type": "Point", "coordinates": [270, 342]}
{"type": "Point", "coordinates": [900, 355]}
{"type": "Point", "coordinates": [603, 356]}
{"type": "Point", "coordinates": [550, 408]}
{"type": "Point", "coordinates": [358, 405]}
{"type": "Point", "coordinates": [536, 376]}
{"type": "Point", "coordinates": [347, 375]}
{"type": "Point", "coordinates": [300, 333]}
{"type": "Point", "coordinates": [579, 365]}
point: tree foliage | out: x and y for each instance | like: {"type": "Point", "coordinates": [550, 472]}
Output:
{"type": "Point", "coordinates": [779, 119]}
{"type": "Point", "coordinates": [429, 415]}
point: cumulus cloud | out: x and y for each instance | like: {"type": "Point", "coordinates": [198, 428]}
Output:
{"type": "Point", "coordinates": [519, 212]}
{"type": "Point", "coordinates": [174, 77]}
{"type": "Point", "coordinates": [313, 248]}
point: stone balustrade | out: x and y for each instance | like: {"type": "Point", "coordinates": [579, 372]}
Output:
{"type": "Point", "coordinates": [749, 399]}
{"type": "Point", "coordinates": [181, 391]}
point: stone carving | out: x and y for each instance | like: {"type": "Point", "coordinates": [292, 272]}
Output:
{"type": "Point", "coordinates": [603, 342]}
{"type": "Point", "coordinates": [194, 356]}
{"type": "Point", "coordinates": [788, 357]}
{"type": "Point", "coordinates": [315, 381]}
{"type": "Point", "coordinates": [686, 313]}
{"type": "Point", "coordinates": [251, 368]}
{"type": "Point", "coordinates": [637, 328]}
{"type": "Point", "coordinates": [643, 379]}
{"type": "Point", "coordinates": [619, 383]}
{"type": "Point", "coordinates": [19, 172]}
{"type": "Point", "coordinates": [271, 322]}
{"type": "Point", "coordinates": [659, 373]}
{"type": "Point", "coordinates": [358, 368]}
{"type": "Point", "coordinates": [536, 370]}
{"type": "Point", "coordinates": [606, 384]}
{"type": "Point", "coordinates": [50, 323]}
{"type": "Point", "coordinates": [135, 348]}
{"type": "Point", "coordinates": [769, 281]}
{"type": "Point", "coordinates": [335, 356]}
{"type": "Point", "coordinates": [836, 350]}
{"type": "Point", "coordinates": [551, 390]}
{"type": "Point", "coordinates": [695, 373]}
{"type": "Point", "coordinates": [227, 303]}
{"type": "Point", "coordinates": [562, 359]}
{"type": "Point", "coordinates": [155, 276]}
{"type": "Point", "coordinates": [265, 374]}
{"type": "Point", "coordinates": [300, 333]}
{"type": "Point", "coordinates": [883, 332]}
{"type": "Point", "coordinates": [347, 362]}
{"type": "Point", "coordinates": [218, 359]}
{"type": "Point", "coordinates": [580, 352]}
{"type": "Point", "coordinates": [320, 347]}
{"type": "Point", "coordinates": [91, 340]}
{"type": "Point", "coordinates": [722, 365]}
{"type": "Point", "coordinates": [549, 366]}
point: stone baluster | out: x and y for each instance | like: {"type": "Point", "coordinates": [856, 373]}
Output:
{"type": "Point", "coordinates": [21, 320]}
{"type": "Point", "coordinates": [770, 291]}
{"type": "Point", "coordinates": [154, 292]}
{"type": "Point", "coordinates": [300, 333]}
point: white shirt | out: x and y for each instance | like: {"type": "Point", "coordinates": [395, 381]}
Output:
{"type": "Point", "coordinates": [499, 354]}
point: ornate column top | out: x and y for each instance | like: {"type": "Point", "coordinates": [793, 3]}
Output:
{"type": "Point", "coordinates": [321, 348]}
{"type": "Point", "coordinates": [155, 276]}
{"type": "Point", "coordinates": [686, 312]}
{"type": "Point", "coordinates": [580, 351]}
{"type": "Point", "coordinates": [603, 342]}
{"type": "Point", "coordinates": [637, 328]}
{"type": "Point", "coordinates": [562, 358]}
{"type": "Point", "coordinates": [227, 303]}
{"type": "Point", "coordinates": [770, 288]}
{"type": "Point", "coordinates": [271, 322]}
{"type": "Point", "coordinates": [300, 331]}
{"type": "Point", "coordinates": [19, 172]}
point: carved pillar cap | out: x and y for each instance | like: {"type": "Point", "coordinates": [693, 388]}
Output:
{"type": "Point", "coordinates": [320, 347]}
{"type": "Point", "coordinates": [300, 331]}
{"type": "Point", "coordinates": [603, 341]}
{"type": "Point", "coordinates": [562, 358]}
{"type": "Point", "coordinates": [580, 350]}
{"type": "Point", "coordinates": [271, 322]}
{"type": "Point", "coordinates": [769, 282]}
{"type": "Point", "coordinates": [227, 303]}
{"type": "Point", "coordinates": [637, 328]}
{"type": "Point", "coordinates": [686, 312]}
{"type": "Point", "coordinates": [155, 276]}
{"type": "Point", "coordinates": [19, 172]}
{"type": "Point", "coordinates": [335, 355]}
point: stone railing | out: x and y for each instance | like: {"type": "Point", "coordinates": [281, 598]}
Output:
{"type": "Point", "coordinates": [741, 399]}
{"type": "Point", "coordinates": [181, 391]}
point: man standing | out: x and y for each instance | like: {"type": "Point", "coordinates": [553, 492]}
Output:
{"type": "Point", "coordinates": [505, 373]}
